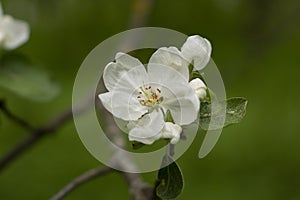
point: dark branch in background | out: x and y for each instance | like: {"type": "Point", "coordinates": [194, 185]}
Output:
{"type": "Point", "coordinates": [14, 118]}
{"type": "Point", "coordinates": [87, 176]}
{"type": "Point", "coordinates": [34, 137]}
{"type": "Point", "coordinates": [139, 190]}
{"type": "Point", "coordinates": [37, 134]}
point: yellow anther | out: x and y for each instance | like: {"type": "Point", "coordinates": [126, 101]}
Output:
{"type": "Point", "coordinates": [149, 97]}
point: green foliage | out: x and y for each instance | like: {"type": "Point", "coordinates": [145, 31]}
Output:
{"type": "Point", "coordinates": [195, 74]}
{"type": "Point", "coordinates": [18, 76]}
{"type": "Point", "coordinates": [235, 112]}
{"type": "Point", "coordinates": [169, 117]}
{"type": "Point", "coordinates": [170, 180]}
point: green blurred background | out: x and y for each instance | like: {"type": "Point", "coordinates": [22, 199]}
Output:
{"type": "Point", "coordinates": [256, 47]}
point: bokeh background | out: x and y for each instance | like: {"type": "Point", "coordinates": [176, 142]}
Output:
{"type": "Point", "coordinates": [256, 47]}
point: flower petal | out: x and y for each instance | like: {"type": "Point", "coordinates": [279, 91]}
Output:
{"type": "Point", "coordinates": [147, 129]}
{"type": "Point", "coordinates": [171, 131]}
{"type": "Point", "coordinates": [16, 32]}
{"type": "Point", "coordinates": [184, 107]}
{"type": "Point", "coordinates": [177, 95]}
{"type": "Point", "coordinates": [122, 106]}
{"type": "Point", "coordinates": [125, 102]}
{"type": "Point", "coordinates": [106, 98]}
{"type": "Point", "coordinates": [114, 71]}
{"type": "Point", "coordinates": [171, 57]}
{"type": "Point", "coordinates": [198, 50]}
{"type": "Point", "coordinates": [162, 74]}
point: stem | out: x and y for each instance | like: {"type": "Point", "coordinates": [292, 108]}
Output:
{"type": "Point", "coordinates": [34, 137]}
{"type": "Point", "coordinates": [37, 134]}
{"type": "Point", "coordinates": [80, 180]}
{"type": "Point", "coordinates": [15, 118]}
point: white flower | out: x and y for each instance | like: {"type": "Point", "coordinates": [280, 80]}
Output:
{"type": "Point", "coordinates": [13, 33]}
{"type": "Point", "coordinates": [199, 87]}
{"type": "Point", "coordinates": [143, 97]}
{"type": "Point", "coordinates": [197, 50]}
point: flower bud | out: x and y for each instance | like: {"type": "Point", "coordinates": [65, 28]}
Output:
{"type": "Point", "coordinates": [199, 87]}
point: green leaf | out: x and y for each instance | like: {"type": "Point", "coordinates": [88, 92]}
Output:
{"type": "Point", "coordinates": [195, 74]}
{"type": "Point", "coordinates": [170, 178]}
{"type": "Point", "coordinates": [169, 117]}
{"type": "Point", "coordinates": [18, 76]}
{"type": "Point", "coordinates": [235, 112]}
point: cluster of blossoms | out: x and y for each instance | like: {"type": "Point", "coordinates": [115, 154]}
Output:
{"type": "Point", "coordinates": [145, 96]}
{"type": "Point", "coordinates": [13, 32]}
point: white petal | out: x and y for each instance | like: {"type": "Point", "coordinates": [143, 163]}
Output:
{"type": "Point", "coordinates": [122, 105]}
{"type": "Point", "coordinates": [171, 57]}
{"type": "Point", "coordinates": [198, 50]}
{"type": "Point", "coordinates": [126, 106]}
{"type": "Point", "coordinates": [199, 87]}
{"type": "Point", "coordinates": [171, 131]}
{"type": "Point", "coordinates": [114, 71]}
{"type": "Point", "coordinates": [162, 74]}
{"type": "Point", "coordinates": [177, 95]}
{"type": "Point", "coordinates": [184, 109]}
{"type": "Point", "coordinates": [125, 101]}
{"type": "Point", "coordinates": [16, 32]}
{"type": "Point", "coordinates": [123, 80]}
{"type": "Point", "coordinates": [147, 129]}
{"type": "Point", "coordinates": [106, 100]}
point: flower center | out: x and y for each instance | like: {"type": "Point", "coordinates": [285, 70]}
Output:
{"type": "Point", "coordinates": [148, 96]}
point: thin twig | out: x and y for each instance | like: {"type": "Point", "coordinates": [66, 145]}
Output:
{"type": "Point", "coordinates": [85, 177]}
{"type": "Point", "coordinates": [15, 118]}
{"type": "Point", "coordinates": [35, 136]}
{"type": "Point", "coordinates": [49, 128]}
{"type": "Point", "coordinates": [139, 190]}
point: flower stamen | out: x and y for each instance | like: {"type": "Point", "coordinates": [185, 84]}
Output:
{"type": "Point", "coordinates": [150, 96]}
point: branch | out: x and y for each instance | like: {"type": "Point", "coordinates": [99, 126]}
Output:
{"type": "Point", "coordinates": [138, 189]}
{"type": "Point", "coordinates": [15, 118]}
{"type": "Point", "coordinates": [36, 134]}
{"type": "Point", "coordinates": [85, 177]}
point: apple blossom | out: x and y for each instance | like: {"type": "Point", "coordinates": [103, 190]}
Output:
{"type": "Point", "coordinates": [13, 32]}
{"type": "Point", "coordinates": [143, 96]}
